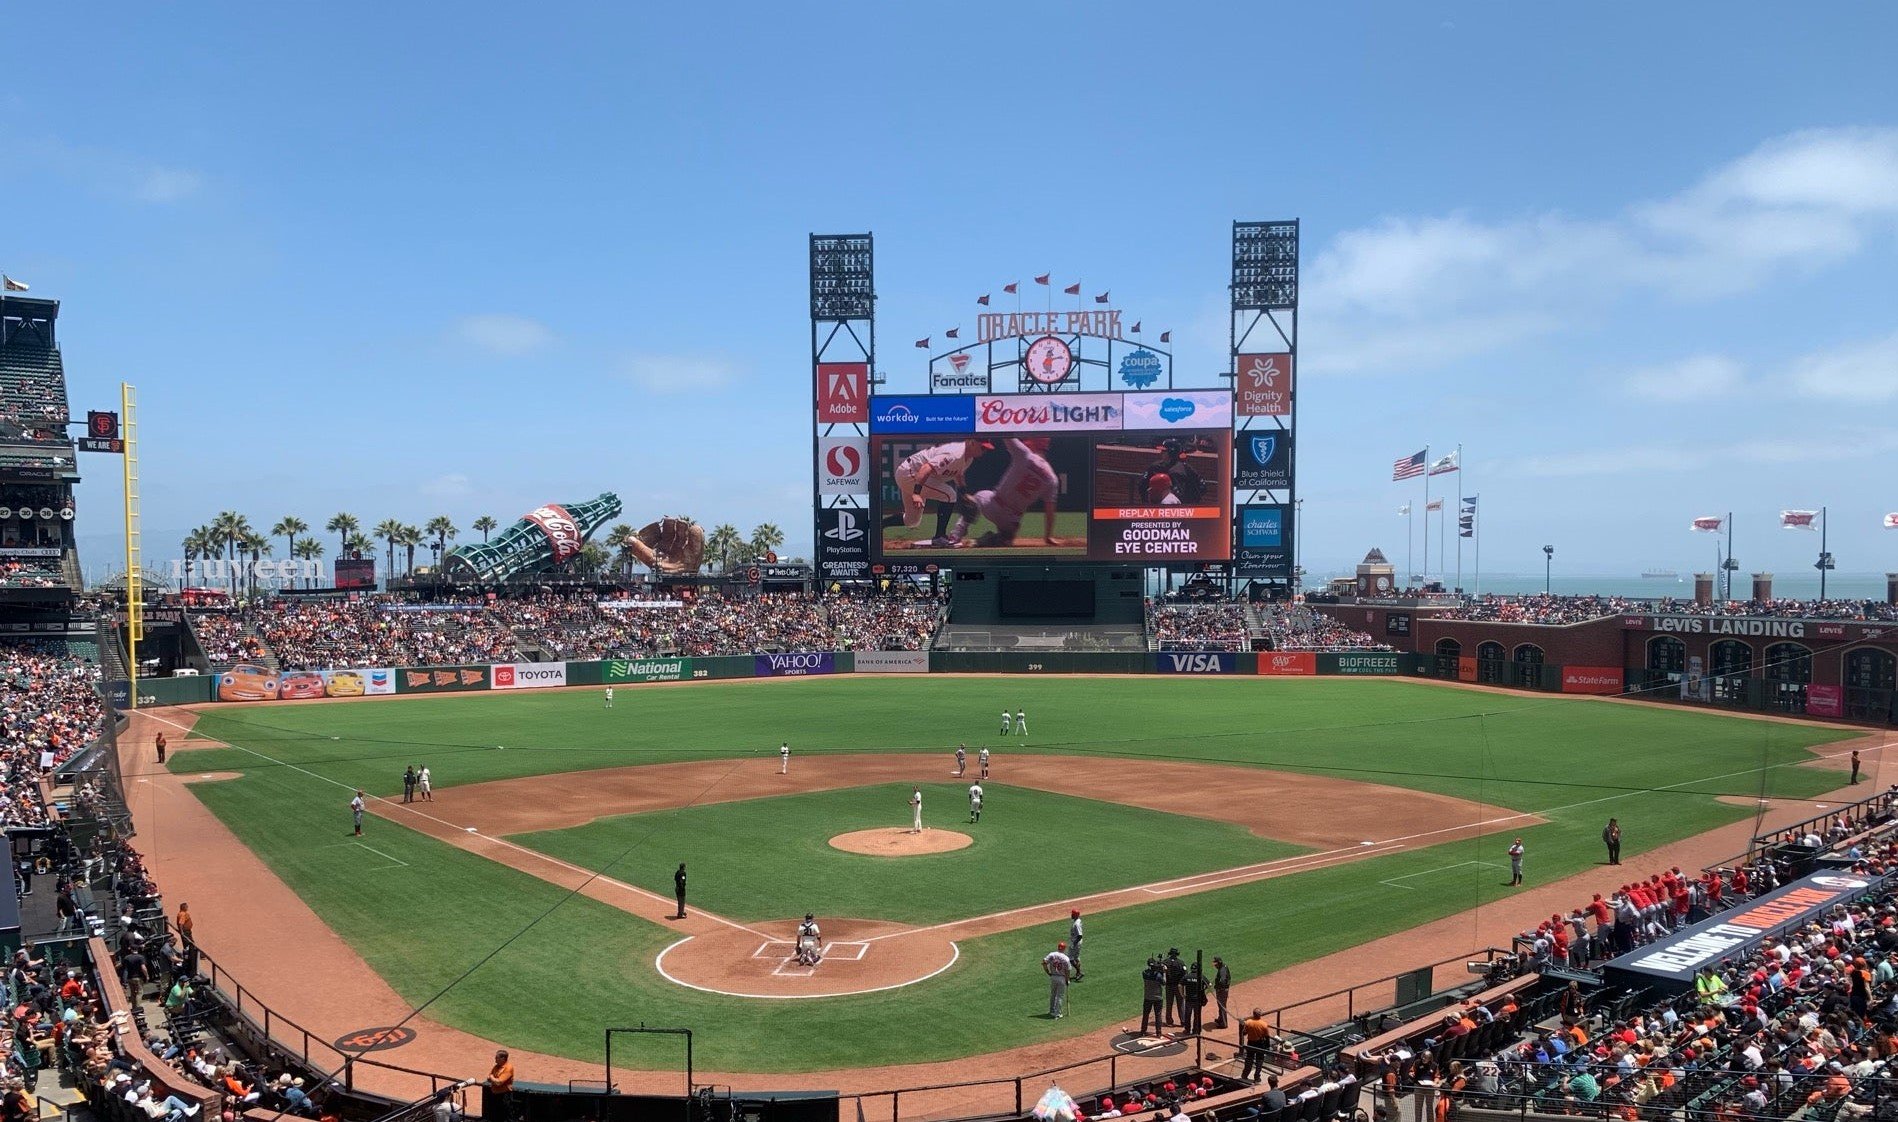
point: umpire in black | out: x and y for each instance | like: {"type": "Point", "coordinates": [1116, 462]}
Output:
{"type": "Point", "coordinates": [1175, 987]}
{"type": "Point", "coordinates": [1195, 1007]}
{"type": "Point", "coordinates": [1153, 995]}
{"type": "Point", "coordinates": [678, 889]}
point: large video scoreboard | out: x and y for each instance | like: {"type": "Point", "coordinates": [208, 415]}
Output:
{"type": "Point", "coordinates": [1140, 478]}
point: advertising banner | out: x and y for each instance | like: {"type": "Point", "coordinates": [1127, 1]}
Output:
{"type": "Point", "coordinates": [1042, 412]}
{"type": "Point", "coordinates": [615, 670]}
{"type": "Point", "coordinates": [1263, 384]}
{"type": "Point", "coordinates": [1265, 459]}
{"type": "Point", "coordinates": [1264, 544]}
{"type": "Point", "coordinates": [1604, 680]}
{"type": "Point", "coordinates": [843, 464]}
{"type": "Point", "coordinates": [1397, 623]}
{"type": "Point", "coordinates": [1694, 681]}
{"type": "Point", "coordinates": [794, 664]}
{"type": "Point", "coordinates": [1288, 664]}
{"type": "Point", "coordinates": [922, 413]}
{"type": "Point", "coordinates": [441, 679]}
{"type": "Point", "coordinates": [1370, 662]}
{"type": "Point", "coordinates": [361, 682]}
{"type": "Point", "coordinates": [1196, 662]}
{"type": "Point", "coordinates": [843, 544]}
{"type": "Point", "coordinates": [843, 393]}
{"type": "Point", "coordinates": [1825, 701]}
{"type": "Point", "coordinates": [1673, 960]}
{"type": "Point", "coordinates": [1178, 409]}
{"type": "Point", "coordinates": [892, 662]}
{"type": "Point", "coordinates": [528, 675]}
{"type": "Point", "coordinates": [355, 572]}
{"type": "Point", "coordinates": [1466, 669]}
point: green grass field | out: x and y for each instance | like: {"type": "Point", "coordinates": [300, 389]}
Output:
{"type": "Point", "coordinates": [1574, 762]}
{"type": "Point", "coordinates": [1067, 524]}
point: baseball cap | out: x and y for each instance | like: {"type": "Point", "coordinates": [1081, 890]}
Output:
{"type": "Point", "coordinates": [1074, 911]}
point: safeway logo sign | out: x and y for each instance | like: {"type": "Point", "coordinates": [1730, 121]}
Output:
{"type": "Point", "coordinates": [1265, 385]}
{"type": "Point", "coordinates": [840, 465]}
{"type": "Point", "coordinates": [843, 393]}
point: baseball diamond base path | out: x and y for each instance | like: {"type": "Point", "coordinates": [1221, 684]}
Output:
{"type": "Point", "coordinates": [246, 916]}
{"type": "Point", "coordinates": [901, 841]}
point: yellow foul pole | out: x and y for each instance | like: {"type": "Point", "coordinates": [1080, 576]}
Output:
{"type": "Point", "coordinates": [134, 592]}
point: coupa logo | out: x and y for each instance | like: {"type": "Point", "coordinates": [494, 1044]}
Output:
{"type": "Point", "coordinates": [1141, 369]}
{"type": "Point", "coordinates": [1173, 410]}
{"type": "Point", "coordinates": [843, 460]}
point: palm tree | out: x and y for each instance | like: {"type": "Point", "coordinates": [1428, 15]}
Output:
{"type": "Point", "coordinates": [766, 539]}
{"type": "Point", "coordinates": [256, 547]}
{"type": "Point", "coordinates": [343, 526]}
{"type": "Point", "coordinates": [442, 529]}
{"type": "Point", "coordinates": [230, 528]}
{"type": "Point", "coordinates": [590, 560]}
{"type": "Point", "coordinates": [409, 538]}
{"type": "Point", "coordinates": [723, 544]}
{"type": "Point", "coordinates": [289, 526]}
{"type": "Point", "coordinates": [309, 549]}
{"type": "Point", "coordinates": [199, 546]}
{"type": "Point", "coordinates": [484, 524]}
{"type": "Point", "coordinates": [622, 556]}
{"type": "Point", "coordinates": [388, 530]}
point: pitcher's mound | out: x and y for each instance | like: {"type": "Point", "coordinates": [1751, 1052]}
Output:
{"type": "Point", "coordinates": [897, 841]}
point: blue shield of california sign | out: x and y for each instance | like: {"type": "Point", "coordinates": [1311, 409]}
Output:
{"type": "Point", "coordinates": [1265, 461]}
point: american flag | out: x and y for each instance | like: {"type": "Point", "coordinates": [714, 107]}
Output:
{"type": "Point", "coordinates": [1409, 467]}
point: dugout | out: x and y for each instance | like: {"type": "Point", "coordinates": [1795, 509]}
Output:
{"type": "Point", "coordinates": [554, 1102]}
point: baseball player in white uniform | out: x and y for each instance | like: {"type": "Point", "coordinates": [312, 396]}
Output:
{"type": "Point", "coordinates": [962, 759]}
{"type": "Point", "coordinates": [935, 474]}
{"type": "Point", "coordinates": [810, 942]}
{"type": "Point", "coordinates": [975, 802]}
{"type": "Point", "coordinates": [609, 697]}
{"type": "Point", "coordinates": [982, 758]}
{"type": "Point", "coordinates": [784, 758]}
{"type": "Point", "coordinates": [1007, 722]}
{"type": "Point", "coordinates": [916, 811]}
{"type": "Point", "coordinates": [1028, 480]}
{"type": "Point", "coordinates": [1021, 721]}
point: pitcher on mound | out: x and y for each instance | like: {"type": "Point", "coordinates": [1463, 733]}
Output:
{"type": "Point", "coordinates": [916, 811]}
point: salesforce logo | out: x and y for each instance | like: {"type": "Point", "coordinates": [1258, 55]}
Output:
{"type": "Point", "coordinates": [1173, 410]}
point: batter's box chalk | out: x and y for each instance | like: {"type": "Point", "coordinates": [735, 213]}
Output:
{"type": "Point", "coordinates": [790, 969]}
{"type": "Point", "coordinates": [837, 951]}
{"type": "Point", "coordinates": [774, 948]}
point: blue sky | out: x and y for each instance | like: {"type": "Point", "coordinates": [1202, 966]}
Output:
{"type": "Point", "coordinates": [404, 260]}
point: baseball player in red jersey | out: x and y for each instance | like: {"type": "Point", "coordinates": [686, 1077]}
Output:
{"type": "Point", "coordinates": [1027, 481]}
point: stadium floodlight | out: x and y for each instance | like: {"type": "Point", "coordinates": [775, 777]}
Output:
{"type": "Point", "coordinates": [1548, 567]}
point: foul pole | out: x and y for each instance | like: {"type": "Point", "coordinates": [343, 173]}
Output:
{"type": "Point", "coordinates": [134, 591]}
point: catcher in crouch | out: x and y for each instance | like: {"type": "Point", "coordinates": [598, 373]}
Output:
{"type": "Point", "coordinates": [934, 474]}
{"type": "Point", "coordinates": [670, 545]}
{"type": "Point", "coordinates": [810, 942]}
{"type": "Point", "coordinates": [1027, 481]}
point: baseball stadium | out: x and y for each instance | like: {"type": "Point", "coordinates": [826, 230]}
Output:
{"type": "Point", "coordinates": [1029, 776]}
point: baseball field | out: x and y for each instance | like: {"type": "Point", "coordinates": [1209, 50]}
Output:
{"type": "Point", "coordinates": [1267, 821]}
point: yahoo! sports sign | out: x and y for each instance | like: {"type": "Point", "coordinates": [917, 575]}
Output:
{"type": "Point", "coordinates": [794, 664]}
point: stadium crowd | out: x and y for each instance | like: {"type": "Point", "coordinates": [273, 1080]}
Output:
{"type": "Point", "coordinates": [312, 635]}
{"type": "Point", "coordinates": [1559, 610]}
{"type": "Point", "coordinates": [1200, 624]}
{"type": "Point", "coordinates": [224, 639]}
{"type": "Point", "coordinates": [31, 573]}
{"type": "Point", "coordinates": [49, 703]}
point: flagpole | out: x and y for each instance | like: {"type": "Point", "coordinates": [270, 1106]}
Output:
{"type": "Point", "coordinates": [1476, 547]}
{"type": "Point", "coordinates": [1822, 554]}
{"type": "Point", "coordinates": [1410, 543]}
{"type": "Point", "coordinates": [1726, 573]}
{"type": "Point", "coordinates": [1426, 533]}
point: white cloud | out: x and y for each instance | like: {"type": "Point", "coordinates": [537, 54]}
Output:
{"type": "Point", "coordinates": [671, 374]}
{"type": "Point", "coordinates": [161, 185]}
{"type": "Point", "coordinates": [1691, 379]}
{"type": "Point", "coordinates": [1862, 372]}
{"type": "Point", "coordinates": [502, 333]}
{"type": "Point", "coordinates": [453, 485]}
{"type": "Point", "coordinates": [1412, 293]}
{"type": "Point", "coordinates": [108, 173]}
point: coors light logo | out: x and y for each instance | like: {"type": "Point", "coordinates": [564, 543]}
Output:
{"type": "Point", "coordinates": [563, 533]}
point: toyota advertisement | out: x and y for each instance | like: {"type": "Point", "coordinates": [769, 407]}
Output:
{"type": "Point", "coordinates": [1137, 477]}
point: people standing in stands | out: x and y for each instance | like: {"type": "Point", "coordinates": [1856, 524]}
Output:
{"type": "Point", "coordinates": [183, 924]}
{"type": "Point", "coordinates": [1611, 837]}
{"type": "Point", "coordinates": [1253, 1034]}
{"type": "Point", "coordinates": [500, 1082]}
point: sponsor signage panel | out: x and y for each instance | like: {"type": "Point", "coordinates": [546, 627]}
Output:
{"type": "Point", "coordinates": [1179, 409]}
{"type": "Point", "coordinates": [1397, 623]}
{"type": "Point", "coordinates": [1729, 625]}
{"type": "Point", "coordinates": [1263, 385]}
{"type": "Point", "coordinates": [892, 662]}
{"type": "Point", "coordinates": [843, 393]}
{"type": "Point", "coordinates": [1466, 669]}
{"type": "Point", "coordinates": [1263, 545]}
{"type": "Point", "coordinates": [1825, 701]}
{"type": "Point", "coordinates": [843, 543]}
{"type": "Point", "coordinates": [528, 675]}
{"type": "Point", "coordinates": [1604, 680]}
{"type": "Point", "coordinates": [923, 413]}
{"type": "Point", "coordinates": [1288, 664]}
{"type": "Point", "coordinates": [1265, 459]}
{"type": "Point", "coordinates": [1736, 933]}
{"type": "Point", "coordinates": [1042, 412]}
{"type": "Point", "coordinates": [843, 464]}
{"type": "Point", "coordinates": [905, 568]}
{"type": "Point", "coordinates": [1371, 662]}
{"type": "Point", "coordinates": [794, 664]}
{"type": "Point", "coordinates": [441, 679]}
{"type": "Point", "coordinates": [1196, 662]}
{"type": "Point", "coordinates": [615, 670]}
{"type": "Point", "coordinates": [40, 551]}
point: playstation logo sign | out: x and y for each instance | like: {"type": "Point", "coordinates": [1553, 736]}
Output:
{"type": "Point", "coordinates": [843, 544]}
{"type": "Point", "coordinates": [846, 528]}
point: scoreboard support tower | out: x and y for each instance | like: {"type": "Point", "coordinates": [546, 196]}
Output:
{"type": "Point", "coordinates": [1264, 357]}
{"type": "Point", "coordinates": [843, 365]}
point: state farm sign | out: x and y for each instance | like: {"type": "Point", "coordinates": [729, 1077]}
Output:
{"type": "Point", "coordinates": [1263, 384]}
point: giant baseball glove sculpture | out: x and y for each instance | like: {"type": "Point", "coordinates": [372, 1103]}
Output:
{"type": "Point", "coordinates": [670, 545]}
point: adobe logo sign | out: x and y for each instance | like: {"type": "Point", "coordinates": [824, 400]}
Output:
{"type": "Point", "coordinates": [842, 465]}
{"type": "Point", "coordinates": [843, 393]}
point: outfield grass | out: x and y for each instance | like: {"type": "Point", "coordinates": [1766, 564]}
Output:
{"type": "Point", "coordinates": [771, 858]}
{"type": "Point", "coordinates": [423, 924]}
